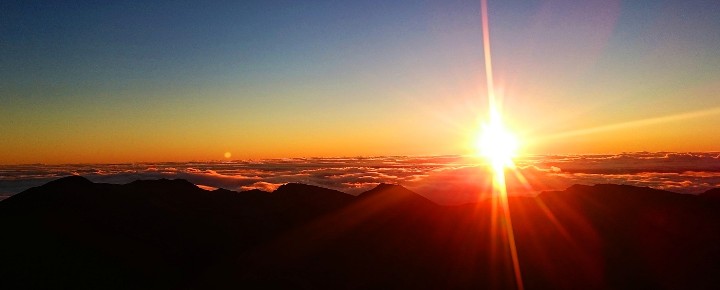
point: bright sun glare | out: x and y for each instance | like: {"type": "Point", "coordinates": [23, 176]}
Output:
{"type": "Point", "coordinates": [496, 143]}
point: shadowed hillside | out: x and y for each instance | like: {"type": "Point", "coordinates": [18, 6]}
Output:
{"type": "Point", "coordinates": [169, 234]}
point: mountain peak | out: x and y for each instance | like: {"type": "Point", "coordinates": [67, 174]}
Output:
{"type": "Point", "coordinates": [310, 196]}
{"type": "Point", "coordinates": [394, 193]}
{"type": "Point", "coordinates": [712, 194]}
{"type": "Point", "coordinates": [295, 189]}
{"type": "Point", "coordinates": [163, 185]}
{"type": "Point", "coordinates": [387, 186]}
{"type": "Point", "coordinates": [293, 186]}
{"type": "Point", "coordinates": [72, 181]}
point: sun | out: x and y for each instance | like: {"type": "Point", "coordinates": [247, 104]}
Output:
{"type": "Point", "coordinates": [497, 144]}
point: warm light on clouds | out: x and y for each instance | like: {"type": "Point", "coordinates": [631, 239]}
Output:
{"type": "Point", "coordinates": [444, 179]}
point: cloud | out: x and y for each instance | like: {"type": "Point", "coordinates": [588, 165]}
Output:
{"type": "Point", "coordinates": [445, 179]}
{"type": "Point", "coordinates": [633, 162]}
{"type": "Point", "coordinates": [261, 185]}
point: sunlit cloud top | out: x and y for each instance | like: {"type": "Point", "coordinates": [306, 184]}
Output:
{"type": "Point", "coordinates": [444, 179]}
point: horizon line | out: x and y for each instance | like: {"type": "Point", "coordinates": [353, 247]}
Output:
{"type": "Point", "coordinates": [352, 157]}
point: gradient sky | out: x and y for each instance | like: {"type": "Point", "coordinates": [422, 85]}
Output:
{"type": "Point", "coordinates": [88, 81]}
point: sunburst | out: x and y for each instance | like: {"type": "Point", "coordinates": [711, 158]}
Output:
{"type": "Point", "coordinates": [498, 145]}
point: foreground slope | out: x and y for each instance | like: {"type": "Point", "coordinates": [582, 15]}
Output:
{"type": "Point", "coordinates": [169, 234]}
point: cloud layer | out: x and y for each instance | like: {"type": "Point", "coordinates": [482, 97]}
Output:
{"type": "Point", "coordinates": [445, 179]}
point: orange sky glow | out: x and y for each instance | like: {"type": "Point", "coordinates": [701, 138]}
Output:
{"type": "Point", "coordinates": [606, 77]}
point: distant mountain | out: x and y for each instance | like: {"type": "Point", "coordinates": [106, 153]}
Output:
{"type": "Point", "coordinates": [396, 194]}
{"type": "Point", "coordinates": [712, 194]}
{"type": "Point", "coordinates": [170, 234]}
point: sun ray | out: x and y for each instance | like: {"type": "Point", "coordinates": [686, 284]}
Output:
{"type": "Point", "coordinates": [632, 124]}
{"type": "Point", "coordinates": [498, 146]}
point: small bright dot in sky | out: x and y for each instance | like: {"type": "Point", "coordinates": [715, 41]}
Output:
{"type": "Point", "coordinates": [228, 154]}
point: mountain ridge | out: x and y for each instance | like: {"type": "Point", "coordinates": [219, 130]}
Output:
{"type": "Point", "coordinates": [169, 234]}
{"type": "Point", "coordinates": [77, 181]}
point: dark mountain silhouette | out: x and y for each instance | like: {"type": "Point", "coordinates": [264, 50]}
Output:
{"type": "Point", "coordinates": [170, 234]}
{"type": "Point", "coordinates": [712, 194]}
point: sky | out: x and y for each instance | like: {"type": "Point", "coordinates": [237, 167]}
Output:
{"type": "Point", "coordinates": [160, 81]}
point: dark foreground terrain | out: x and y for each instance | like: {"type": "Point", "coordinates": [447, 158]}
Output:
{"type": "Point", "coordinates": [168, 234]}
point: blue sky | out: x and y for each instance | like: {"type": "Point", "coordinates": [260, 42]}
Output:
{"type": "Point", "coordinates": [91, 81]}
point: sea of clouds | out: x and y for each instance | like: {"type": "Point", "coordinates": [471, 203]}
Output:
{"type": "Point", "coordinates": [444, 179]}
